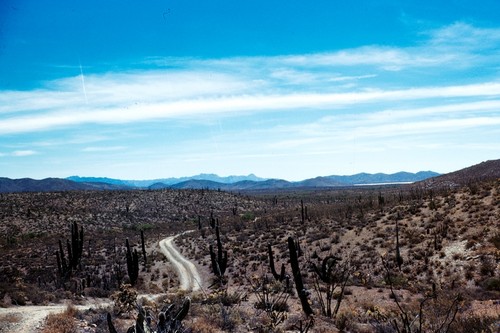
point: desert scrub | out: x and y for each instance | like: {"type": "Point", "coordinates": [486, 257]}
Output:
{"type": "Point", "coordinates": [61, 322]}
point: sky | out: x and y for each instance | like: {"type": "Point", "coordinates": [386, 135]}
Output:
{"type": "Point", "coordinates": [282, 89]}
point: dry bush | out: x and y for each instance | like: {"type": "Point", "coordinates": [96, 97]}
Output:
{"type": "Point", "coordinates": [125, 299]}
{"type": "Point", "coordinates": [10, 318]}
{"type": "Point", "coordinates": [476, 324]}
{"type": "Point", "coordinates": [61, 322]}
{"type": "Point", "coordinates": [203, 325]}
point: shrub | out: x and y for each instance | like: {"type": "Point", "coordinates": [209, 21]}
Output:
{"type": "Point", "coordinates": [491, 284]}
{"type": "Point", "coordinates": [495, 240]}
{"type": "Point", "coordinates": [124, 299]}
{"type": "Point", "coordinates": [61, 322]}
{"type": "Point", "coordinates": [474, 324]}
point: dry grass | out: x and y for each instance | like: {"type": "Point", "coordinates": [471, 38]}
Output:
{"type": "Point", "coordinates": [61, 322]}
{"type": "Point", "coordinates": [10, 318]}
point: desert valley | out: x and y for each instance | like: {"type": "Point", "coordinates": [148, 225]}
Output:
{"type": "Point", "coordinates": [421, 257]}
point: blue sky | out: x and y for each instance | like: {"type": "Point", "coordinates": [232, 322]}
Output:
{"type": "Point", "coordinates": [281, 89]}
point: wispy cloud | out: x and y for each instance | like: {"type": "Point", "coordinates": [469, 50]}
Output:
{"type": "Point", "coordinates": [22, 153]}
{"type": "Point", "coordinates": [233, 105]}
{"type": "Point", "coordinates": [102, 149]}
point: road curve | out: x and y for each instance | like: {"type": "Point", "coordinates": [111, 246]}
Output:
{"type": "Point", "coordinates": [189, 278]}
{"type": "Point", "coordinates": [31, 318]}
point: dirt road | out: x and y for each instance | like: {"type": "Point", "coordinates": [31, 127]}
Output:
{"type": "Point", "coordinates": [29, 319]}
{"type": "Point", "coordinates": [189, 277]}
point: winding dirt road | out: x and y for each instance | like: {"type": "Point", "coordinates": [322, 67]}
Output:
{"type": "Point", "coordinates": [189, 278]}
{"type": "Point", "coordinates": [28, 319]}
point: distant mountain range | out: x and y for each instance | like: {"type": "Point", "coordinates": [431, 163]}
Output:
{"type": "Point", "coordinates": [8, 185]}
{"type": "Point", "coordinates": [205, 181]}
{"type": "Point", "coordinates": [166, 181]}
{"type": "Point", "coordinates": [484, 170]}
{"type": "Point", "coordinates": [318, 182]}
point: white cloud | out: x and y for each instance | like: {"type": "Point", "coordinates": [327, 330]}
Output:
{"type": "Point", "coordinates": [22, 153]}
{"type": "Point", "coordinates": [232, 106]}
{"type": "Point", "coordinates": [102, 149]}
{"type": "Point", "coordinates": [461, 35]}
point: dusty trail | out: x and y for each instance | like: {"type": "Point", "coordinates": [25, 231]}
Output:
{"type": "Point", "coordinates": [28, 319]}
{"type": "Point", "coordinates": [189, 277]}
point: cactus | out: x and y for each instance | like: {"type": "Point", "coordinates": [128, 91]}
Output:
{"type": "Point", "coordinates": [60, 268]}
{"type": "Point", "coordinates": [76, 245]}
{"type": "Point", "coordinates": [299, 250]}
{"type": "Point", "coordinates": [302, 215]}
{"type": "Point", "coordinates": [278, 277]}
{"type": "Point", "coordinates": [213, 221]}
{"type": "Point", "coordinates": [297, 277]}
{"type": "Point", "coordinates": [399, 259]}
{"type": "Point", "coordinates": [143, 248]}
{"type": "Point", "coordinates": [61, 261]}
{"type": "Point", "coordinates": [132, 264]}
{"type": "Point", "coordinates": [169, 321]}
{"type": "Point", "coordinates": [219, 260]}
{"type": "Point", "coordinates": [334, 276]}
{"type": "Point", "coordinates": [74, 249]}
{"type": "Point", "coordinates": [327, 266]}
{"type": "Point", "coordinates": [111, 327]}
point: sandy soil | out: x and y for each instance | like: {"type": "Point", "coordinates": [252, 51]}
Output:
{"type": "Point", "coordinates": [189, 278]}
{"type": "Point", "coordinates": [29, 319]}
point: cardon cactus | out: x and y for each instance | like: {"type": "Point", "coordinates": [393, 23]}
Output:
{"type": "Point", "coordinates": [219, 260]}
{"type": "Point", "coordinates": [169, 319]}
{"type": "Point", "coordinates": [74, 250]}
{"type": "Point", "coordinates": [278, 277]}
{"type": "Point", "coordinates": [297, 277]}
{"type": "Point", "coordinates": [132, 264]}
{"type": "Point", "coordinates": [327, 267]}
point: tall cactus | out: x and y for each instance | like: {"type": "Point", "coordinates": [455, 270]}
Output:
{"type": "Point", "coordinates": [61, 261]}
{"type": "Point", "coordinates": [213, 221]}
{"type": "Point", "coordinates": [297, 277]}
{"type": "Point", "coordinates": [302, 213]}
{"type": "Point", "coordinates": [132, 264]}
{"type": "Point", "coordinates": [278, 277]}
{"type": "Point", "coordinates": [74, 248]}
{"type": "Point", "coordinates": [219, 260]}
{"type": "Point", "coordinates": [399, 258]}
{"type": "Point", "coordinates": [76, 245]}
{"type": "Point", "coordinates": [143, 248]}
